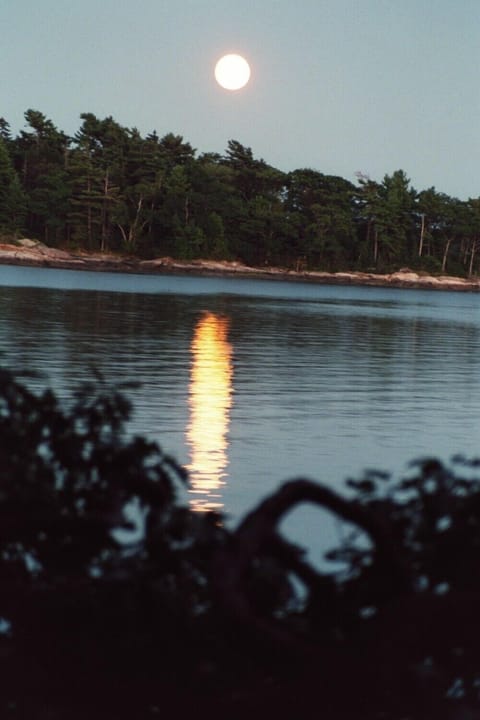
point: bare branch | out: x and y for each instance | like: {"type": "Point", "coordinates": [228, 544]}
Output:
{"type": "Point", "coordinates": [258, 531]}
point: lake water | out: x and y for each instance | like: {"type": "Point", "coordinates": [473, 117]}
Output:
{"type": "Point", "coordinates": [249, 383]}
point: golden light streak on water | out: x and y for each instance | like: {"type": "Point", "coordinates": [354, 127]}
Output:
{"type": "Point", "coordinates": [210, 400]}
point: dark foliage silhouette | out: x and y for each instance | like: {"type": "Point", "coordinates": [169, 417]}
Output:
{"type": "Point", "coordinates": [117, 601]}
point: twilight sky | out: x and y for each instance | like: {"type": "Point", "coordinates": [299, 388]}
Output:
{"type": "Point", "coordinates": [337, 85]}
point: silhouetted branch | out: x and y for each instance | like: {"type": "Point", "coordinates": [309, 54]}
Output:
{"type": "Point", "coordinates": [258, 531]}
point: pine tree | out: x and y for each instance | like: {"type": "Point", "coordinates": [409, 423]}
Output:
{"type": "Point", "coordinates": [12, 199]}
{"type": "Point", "coordinates": [41, 157]}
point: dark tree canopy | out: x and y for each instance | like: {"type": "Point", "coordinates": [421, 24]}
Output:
{"type": "Point", "coordinates": [110, 188]}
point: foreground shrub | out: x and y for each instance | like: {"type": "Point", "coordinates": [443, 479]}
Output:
{"type": "Point", "coordinates": [116, 599]}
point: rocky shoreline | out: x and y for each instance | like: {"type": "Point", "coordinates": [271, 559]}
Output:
{"type": "Point", "coordinates": [36, 254]}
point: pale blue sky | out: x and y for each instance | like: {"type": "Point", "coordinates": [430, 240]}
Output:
{"type": "Point", "coordinates": [337, 85]}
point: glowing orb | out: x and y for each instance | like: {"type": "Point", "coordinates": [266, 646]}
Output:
{"type": "Point", "coordinates": [232, 72]}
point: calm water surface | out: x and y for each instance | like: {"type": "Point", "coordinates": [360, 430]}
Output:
{"type": "Point", "coordinates": [249, 383]}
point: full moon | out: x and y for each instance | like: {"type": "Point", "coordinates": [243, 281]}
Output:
{"type": "Point", "coordinates": [232, 72]}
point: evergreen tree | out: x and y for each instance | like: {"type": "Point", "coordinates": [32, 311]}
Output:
{"type": "Point", "coordinates": [253, 222]}
{"type": "Point", "coordinates": [322, 208]}
{"type": "Point", "coordinates": [386, 212]}
{"type": "Point", "coordinates": [5, 133]}
{"type": "Point", "coordinates": [41, 157]}
{"type": "Point", "coordinates": [12, 199]}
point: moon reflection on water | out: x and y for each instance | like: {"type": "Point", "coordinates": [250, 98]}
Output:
{"type": "Point", "coordinates": [210, 401]}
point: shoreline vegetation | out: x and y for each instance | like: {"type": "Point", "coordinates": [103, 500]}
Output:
{"type": "Point", "coordinates": [34, 253]}
{"type": "Point", "coordinates": [151, 204]}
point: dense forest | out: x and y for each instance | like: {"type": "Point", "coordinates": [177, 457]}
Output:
{"type": "Point", "coordinates": [110, 189]}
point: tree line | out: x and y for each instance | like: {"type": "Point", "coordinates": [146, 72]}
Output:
{"type": "Point", "coordinates": [108, 188]}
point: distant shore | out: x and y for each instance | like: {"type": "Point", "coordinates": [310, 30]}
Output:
{"type": "Point", "coordinates": [36, 254]}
